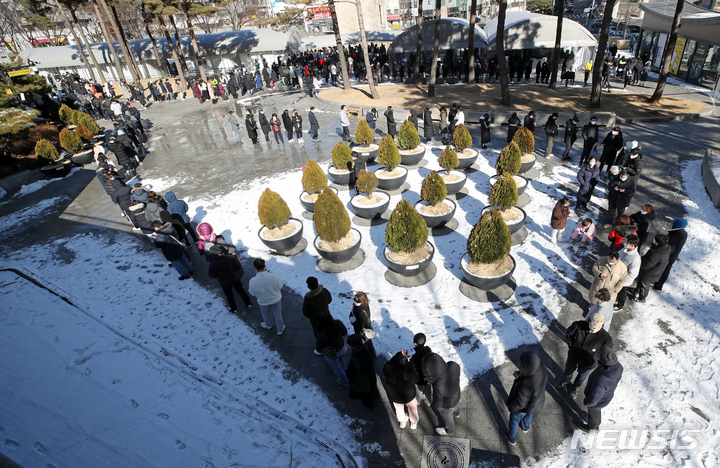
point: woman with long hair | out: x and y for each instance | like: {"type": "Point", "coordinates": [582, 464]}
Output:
{"type": "Point", "coordinates": [401, 377]}
{"type": "Point", "coordinates": [360, 319]}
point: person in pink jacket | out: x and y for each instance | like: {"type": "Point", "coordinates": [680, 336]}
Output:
{"type": "Point", "coordinates": [585, 230]}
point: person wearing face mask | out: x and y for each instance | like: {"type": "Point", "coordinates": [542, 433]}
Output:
{"type": "Point", "coordinates": [558, 219]}
{"type": "Point", "coordinates": [630, 256]}
{"type": "Point", "coordinates": [585, 340]}
{"type": "Point", "coordinates": [608, 272]}
{"type": "Point", "coordinates": [485, 135]}
{"type": "Point", "coordinates": [590, 134]}
{"type": "Point", "coordinates": [652, 267]}
{"type": "Point", "coordinates": [588, 177]}
{"type": "Point", "coordinates": [612, 143]}
{"type": "Point", "coordinates": [570, 136]}
{"type": "Point", "coordinates": [551, 131]}
{"type": "Point", "coordinates": [633, 162]}
{"type": "Point", "coordinates": [602, 306]}
{"type": "Point", "coordinates": [529, 121]}
{"type": "Point", "coordinates": [644, 220]}
{"type": "Point", "coordinates": [620, 195]}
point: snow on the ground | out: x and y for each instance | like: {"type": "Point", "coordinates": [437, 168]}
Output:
{"type": "Point", "coordinates": [35, 186]}
{"type": "Point", "coordinates": [75, 393]}
{"type": "Point", "coordinates": [30, 214]}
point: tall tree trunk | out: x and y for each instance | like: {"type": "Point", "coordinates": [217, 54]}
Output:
{"type": "Point", "coordinates": [366, 54]}
{"type": "Point", "coordinates": [68, 25]}
{"type": "Point", "coordinates": [667, 54]}
{"type": "Point", "coordinates": [418, 49]}
{"type": "Point", "coordinates": [560, 4]}
{"type": "Point", "coordinates": [173, 51]}
{"type": "Point", "coordinates": [180, 53]}
{"type": "Point", "coordinates": [108, 41]}
{"type": "Point", "coordinates": [471, 44]}
{"type": "Point", "coordinates": [596, 92]}
{"type": "Point", "coordinates": [123, 46]}
{"type": "Point", "coordinates": [124, 40]}
{"type": "Point", "coordinates": [87, 46]}
{"type": "Point", "coordinates": [500, 51]}
{"type": "Point", "coordinates": [340, 48]}
{"type": "Point", "coordinates": [196, 49]}
{"type": "Point", "coordinates": [161, 68]}
{"type": "Point", "coordinates": [436, 50]}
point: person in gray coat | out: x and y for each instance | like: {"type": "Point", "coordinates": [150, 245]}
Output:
{"type": "Point", "coordinates": [428, 130]}
{"type": "Point", "coordinates": [234, 126]}
{"type": "Point", "coordinates": [314, 125]}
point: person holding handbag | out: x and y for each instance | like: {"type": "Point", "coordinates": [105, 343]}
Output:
{"type": "Point", "coordinates": [360, 320]}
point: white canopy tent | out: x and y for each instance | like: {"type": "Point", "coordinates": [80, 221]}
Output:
{"type": "Point", "coordinates": [454, 34]}
{"type": "Point", "coordinates": [525, 30]}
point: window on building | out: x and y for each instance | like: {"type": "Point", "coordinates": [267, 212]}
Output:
{"type": "Point", "coordinates": [687, 53]}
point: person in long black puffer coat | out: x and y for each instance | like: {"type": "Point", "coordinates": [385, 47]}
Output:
{"type": "Point", "coordinates": [401, 377]}
{"type": "Point", "coordinates": [287, 123]}
{"type": "Point", "coordinates": [644, 221]}
{"type": "Point", "coordinates": [360, 318]}
{"type": "Point", "coordinates": [529, 121]}
{"type": "Point", "coordinates": [485, 135]}
{"type": "Point", "coordinates": [677, 236]}
{"type": "Point", "coordinates": [316, 303]}
{"type": "Point", "coordinates": [612, 143]}
{"type": "Point", "coordinates": [513, 125]}
{"type": "Point", "coordinates": [361, 372]}
{"type": "Point", "coordinates": [527, 395]}
{"type": "Point", "coordinates": [428, 130]}
{"type": "Point", "coordinates": [652, 267]}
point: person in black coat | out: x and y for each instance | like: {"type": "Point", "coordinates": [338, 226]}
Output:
{"type": "Point", "coordinates": [644, 221]}
{"type": "Point", "coordinates": [121, 193]}
{"type": "Point", "coordinates": [588, 176]}
{"type": "Point", "coordinates": [601, 387]}
{"type": "Point", "coordinates": [551, 131]}
{"type": "Point", "coordinates": [585, 340]}
{"type": "Point", "coordinates": [612, 143]}
{"type": "Point", "coordinates": [570, 136]}
{"type": "Point", "coordinates": [124, 154]}
{"type": "Point", "coordinates": [361, 372]}
{"type": "Point", "coordinates": [314, 125]}
{"type": "Point", "coordinates": [529, 121]}
{"type": "Point", "coordinates": [413, 118]}
{"type": "Point", "coordinates": [428, 129]}
{"type": "Point", "coordinates": [527, 395]}
{"type": "Point", "coordinates": [287, 123]}
{"type": "Point", "coordinates": [620, 194]}
{"type": "Point", "coordinates": [392, 126]}
{"type": "Point", "coordinates": [229, 272]}
{"type": "Point", "coordinates": [330, 342]}
{"type": "Point", "coordinates": [264, 124]}
{"type": "Point", "coordinates": [174, 252]}
{"type": "Point", "coordinates": [633, 162]}
{"type": "Point", "coordinates": [360, 319]}
{"type": "Point", "coordinates": [513, 125]}
{"type": "Point", "coordinates": [401, 378]}
{"type": "Point", "coordinates": [590, 134]}
{"type": "Point", "coordinates": [371, 118]}
{"type": "Point", "coordinates": [677, 236]}
{"type": "Point", "coordinates": [652, 267]}
{"type": "Point", "coordinates": [445, 380]}
{"type": "Point", "coordinates": [251, 127]}
{"type": "Point", "coordinates": [452, 113]}
{"type": "Point", "coordinates": [423, 389]}
{"type": "Point", "coordinates": [316, 303]}
{"type": "Point", "coordinates": [485, 134]}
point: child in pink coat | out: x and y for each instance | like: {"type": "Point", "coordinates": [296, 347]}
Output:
{"type": "Point", "coordinates": [586, 229]}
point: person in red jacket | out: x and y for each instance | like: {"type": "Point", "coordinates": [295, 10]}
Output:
{"type": "Point", "coordinates": [623, 229]}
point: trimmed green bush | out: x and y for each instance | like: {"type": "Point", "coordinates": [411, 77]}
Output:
{"type": "Point", "coordinates": [313, 178]}
{"type": "Point", "coordinates": [461, 138]}
{"type": "Point", "coordinates": [75, 116]}
{"type": "Point", "coordinates": [490, 239]}
{"type": "Point", "coordinates": [388, 153]}
{"type": "Point", "coordinates": [331, 218]}
{"type": "Point", "coordinates": [503, 194]}
{"type": "Point", "coordinates": [65, 113]}
{"type": "Point", "coordinates": [83, 133]}
{"type": "Point", "coordinates": [89, 122]}
{"type": "Point", "coordinates": [366, 182]}
{"type": "Point", "coordinates": [525, 140]}
{"type": "Point", "coordinates": [433, 189]}
{"type": "Point", "coordinates": [406, 230]}
{"type": "Point", "coordinates": [69, 141]}
{"type": "Point", "coordinates": [364, 134]}
{"type": "Point", "coordinates": [448, 159]}
{"type": "Point", "coordinates": [272, 210]}
{"type": "Point", "coordinates": [46, 150]}
{"type": "Point", "coordinates": [509, 160]}
{"type": "Point", "coordinates": [342, 156]}
{"type": "Point", "coordinates": [408, 137]}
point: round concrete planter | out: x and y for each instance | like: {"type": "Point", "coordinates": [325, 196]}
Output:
{"type": "Point", "coordinates": [455, 186]}
{"type": "Point", "coordinates": [514, 227]}
{"type": "Point", "coordinates": [393, 183]}
{"type": "Point", "coordinates": [366, 153]}
{"type": "Point", "coordinates": [310, 206]}
{"type": "Point", "coordinates": [83, 157]}
{"type": "Point", "coordinates": [439, 220]}
{"type": "Point", "coordinates": [413, 157]}
{"type": "Point", "coordinates": [370, 211]}
{"type": "Point", "coordinates": [467, 161]}
{"type": "Point", "coordinates": [340, 256]}
{"type": "Point", "coordinates": [339, 177]}
{"type": "Point", "coordinates": [57, 169]}
{"type": "Point", "coordinates": [524, 167]}
{"type": "Point", "coordinates": [283, 244]}
{"type": "Point", "coordinates": [520, 187]}
{"type": "Point", "coordinates": [412, 269]}
{"type": "Point", "coordinates": [486, 283]}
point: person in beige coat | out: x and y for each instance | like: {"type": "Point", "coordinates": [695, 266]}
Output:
{"type": "Point", "coordinates": [608, 272]}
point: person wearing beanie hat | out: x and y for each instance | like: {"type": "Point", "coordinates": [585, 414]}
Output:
{"type": "Point", "coordinates": [676, 240]}
{"type": "Point", "coordinates": [229, 273]}
{"type": "Point", "coordinates": [585, 339]}
{"type": "Point", "coordinates": [316, 304]}
{"type": "Point", "coordinates": [600, 388]}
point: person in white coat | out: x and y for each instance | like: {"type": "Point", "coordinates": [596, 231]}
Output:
{"type": "Point", "coordinates": [459, 117]}
{"type": "Point", "coordinates": [267, 288]}
{"type": "Point", "coordinates": [631, 258]}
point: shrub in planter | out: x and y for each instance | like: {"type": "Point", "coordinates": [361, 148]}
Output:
{"type": "Point", "coordinates": [408, 137]}
{"type": "Point", "coordinates": [342, 156]}
{"type": "Point", "coordinates": [66, 113]}
{"type": "Point", "coordinates": [448, 159]}
{"type": "Point", "coordinates": [272, 210]}
{"type": "Point", "coordinates": [75, 116]}
{"type": "Point", "coordinates": [461, 138]}
{"type": "Point", "coordinates": [82, 132]}
{"type": "Point", "coordinates": [69, 141]}
{"type": "Point", "coordinates": [490, 239]}
{"type": "Point", "coordinates": [388, 153]}
{"type": "Point", "coordinates": [503, 194]}
{"type": "Point", "coordinates": [433, 189]}
{"type": "Point", "coordinates": [331, 219]}
{"type": "Point", "coordinates": [509, 160]}
{"type": "Point", "coordinates": [313, 178]}
{"type": "Point", "coordinates": [89, 122]}
{"type": "Point", "coordinates": [364, 134]}
{"type": "Point", "coordinates": [366, 182]}
{"type": "Point", "coordinates": [46, 150]}
{"type": "Point", "coordinates": [406, 230]}
{"type": "Point", "coordinates": [525, 140]}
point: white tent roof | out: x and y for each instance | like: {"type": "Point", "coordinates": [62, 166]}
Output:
{"type": "Point", "coordinates": [453, 35]}
{"type": "Point", "coordinates": [328, 40]}
{"type": "Point", "coordinates": [525, 30]}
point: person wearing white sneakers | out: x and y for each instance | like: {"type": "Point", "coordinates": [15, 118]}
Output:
{"type": "Point", "coordinates": [267, 288]}
{"type": "Point", "coordinates": [401, 377]}
{"type": "Point", "coordinates": [297, 125]}
{"type": "Point", "coordinates": [445, 380]}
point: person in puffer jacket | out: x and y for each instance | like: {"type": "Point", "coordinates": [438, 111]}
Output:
{"type": "Point", "coordinates": [206, 239]}
{"type": "Point", "coordinates": [179, 207]}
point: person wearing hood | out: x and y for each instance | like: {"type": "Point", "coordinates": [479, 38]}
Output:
{"type": "Point", "coordinates": [139, 193]}
{"type": "Point", "coordinates": [174, 251]}
{"type": "Point", "coordinates": [630, 256]}
{"type": "Point", "coordinates": [297, 125]}
{"type": "Point", "coordinates": [136, 214]}
{"type": "Point", "coordinates": [412, 118]}
{"type": "Point", "coordinates": [652, 267]}
{"type": "Point", "coordinates": [251, 127]}
{"type": "Point", "coordinates": [570, 136]}
{"type": "Point", "coordinates": [527, 395]}
{"type": "Point", "coordinates": [588, 176]}
{"type": "Point", "coordinates": [264, 124]}
{"type": "Point", "coordinates": [644, 220]}
{"type": "Point", "coordinates": [601, 387]}
{"type": "Point", "coordinates": [428, 130]}
{"type": "Point", "coordinates": [423, 389]}
{"type": "Point", "coordinates": [551, 131]}
{"type": "Point", "coordinates": [316, 304]}
{"type": "Point", "coordinates": [392, 126]}
{"type": "Point", "coordinates": [314, 125]}
{"type": "Point", "coordinates": [229, 272]}
{"type": "Point", "coordinates": [180, 208]}
{"type": "Point", "coordinates": [234, 126]}
{"type": "Point", "coordinates": [485, 134]}
{"type": "Point", "coordinates": [445, 380]}
{"type": "Point", "coordinates": [401, 378]}
{"type": "Point", "coordinates": [153, 209]}
{"type": "Point", "coordinates": [287, 123]}
{"type": "Point", "coordinates": [206, 239]}
{"type": "Point", "coordinates": [590, 134]}
{"type": "Point", "coordinates": [513, 125]}
{"type": "Point", "coordinates": [612, 144]}
{"type": "Point", "coordinates": [529, 121]}
{"type": "Point", "coordinates": [676, 240]}
{"type": "Point", "coordinates": [585, 340]}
